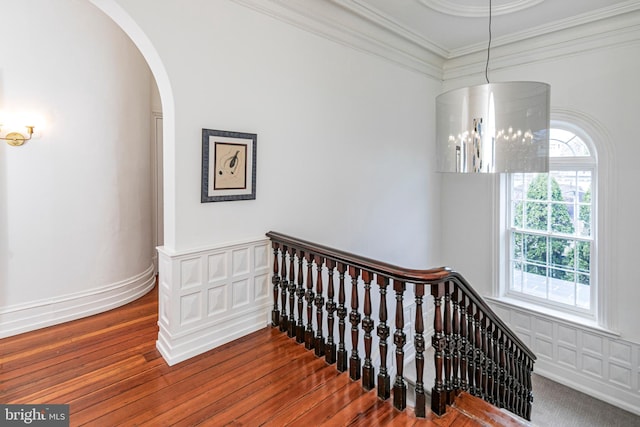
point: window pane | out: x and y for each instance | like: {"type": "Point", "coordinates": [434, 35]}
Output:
{"type": "Point", "coordinates": [517, 186]}
{"type": "Point", "coordinates": [535, 250]}
{"type": "Point", "coordinates": [584, 257]}
{"type": "Point", "coordinates": [584, 199]}
{"type": "Point", "coordinates": [536, 185]}
{"type": "Point", "coordinates": [517, 246]}
{"type": "Point", "coordinates": [516, 214]}
{"type": "Point", "coordinates": [563, 143]}
{"type": "Point", "coordinates": [516, 276]}
{"type": "Point", "coordinates": [562, 253]}
{"type": "Point", "coordinates": [567, 183]}
{"type": "Point", "coordinates": [534, 281]}
{"type": "Point", "coordinates": [536, 216]}
{"type": "Point", "coordinates": [583, 291]}
{"type": "Point", "coordinates": [561, 286]}
{"type": "Point", "coordinates": [562, 218]}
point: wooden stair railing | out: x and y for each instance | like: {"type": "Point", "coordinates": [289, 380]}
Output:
{"type": "Point", "coordinates": [474, 351]}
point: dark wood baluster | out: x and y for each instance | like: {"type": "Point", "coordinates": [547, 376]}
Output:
{"type": "Point", "coordinates": [300, 325]}
{"type": "Point", "coordinates": [448, 343]}
{"type": "Point", "coordinates": [484, 360]}
{"type": "Point", "coordinates": [368, 372]}
{"type": "Point", "coordinates": [502, 378]}
{"type": "Point", "coordinates": [496, 365]}
{"type": "Point", "coordinates": [521, 386]}
{"type": "Point", "coordinates": [384, 381]}
{"type": "Point", "coordinates": [309, 297]}
{"type": "Point", "coordinates": [319, 300]}
{"type": "Point", "coordinates": [341, 364]}
{"type": "Point", "coordinates": [471, 349]}
{"type": "Point", "coordinates": [438, 397]}
{"type": "Point", "coordinates": [421, 400]}
{"type": "Point", "coordinates": [284, 286]}
{"type": "Point", "coordinates": [455, 300]}
{"type": "Point", "coordinates": [514, 377]}
{"type": "Point", "coordinates": [399, 339]}
{"type": "Point", "coordinates": [527, 414]}
{"type": "Point", "coordinates": [464, 343]}
{"type": "Point", "coordinates": [510, 377]}
{"type": "Point", "coordinates": [489, 360]}
{"type": "Point", "coordinates": [354, 318]}
{"type": "Point", "coordinates": [330, 347]}
{"type": "Point", "coordinates": [275, 280]}
{"type": "Point", "coordinates": [291, 331]}
{"type": "Point", "coordinates": [477, 362]}
{"type": "Point", "coordinates": [516, 382]}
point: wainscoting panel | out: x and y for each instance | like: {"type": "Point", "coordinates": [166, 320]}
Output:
{"type": "Point", "coordinates": [595, 362]}
{"type": "Point", "coordinates": [212, 296]}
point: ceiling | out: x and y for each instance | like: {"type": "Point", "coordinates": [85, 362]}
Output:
{"type": "Point", "coordinates": [450, 28]}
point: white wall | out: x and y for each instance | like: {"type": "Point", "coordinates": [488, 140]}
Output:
{"type": "Point", "coordinates": [342, 136]}
{"type": "Point", "coordinates": [75, 233]}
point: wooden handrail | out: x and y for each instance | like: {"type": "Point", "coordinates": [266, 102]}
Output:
{"type": "Point", "coordinates": [389, 270]}
{"type": "Point", "coordinates": [475, 350]}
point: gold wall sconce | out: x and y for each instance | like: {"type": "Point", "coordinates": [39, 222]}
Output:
{"type": "Point", "coordinates": [16, 139]}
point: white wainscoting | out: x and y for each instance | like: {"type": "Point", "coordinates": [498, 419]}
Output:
{"type": "Point", "coordinates": [208, 297]}
{"type": "Point", "coordinates": [586, 359]}
{"type": "Point", "coordinates": [40, 314]}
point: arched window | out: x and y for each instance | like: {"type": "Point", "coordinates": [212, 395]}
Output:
{"type": "Point", "coordinates": [549, 244]}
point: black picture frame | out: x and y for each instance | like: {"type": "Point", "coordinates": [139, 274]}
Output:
{"type": "Point", "coordinates": [228, 166]}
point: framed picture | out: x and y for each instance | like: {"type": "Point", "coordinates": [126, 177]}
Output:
{"type": "Point", "coordinates": [228, 166]}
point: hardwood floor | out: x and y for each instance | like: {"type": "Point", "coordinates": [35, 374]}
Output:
{"type": "Point", "coordinates": [107, 369]}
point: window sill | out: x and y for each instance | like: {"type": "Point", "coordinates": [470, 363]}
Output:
{"type": "Point", "coordinates": [561, 316]}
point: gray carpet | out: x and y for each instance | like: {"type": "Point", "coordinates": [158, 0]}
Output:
{"type": "Point", "coordinates": [556, 405]}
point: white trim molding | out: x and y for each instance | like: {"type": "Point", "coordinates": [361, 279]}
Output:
{"type": "Point", "coordinates": [22, 318]}
{"type": "Point", "coordinates": [357, 27]}
{"type": "Point", "coordinates": [208, 297]}
{"type": "Point", "coordinates": [469, 11]}
{"type": "Point", "coordinates": [585, 358]}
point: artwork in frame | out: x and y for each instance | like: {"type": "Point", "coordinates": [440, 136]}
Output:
{"type": "Point", "coordinates": [228, 166]}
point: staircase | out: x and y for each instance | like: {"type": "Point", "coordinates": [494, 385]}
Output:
{"type": "Point", "coordinates": [473, 350]}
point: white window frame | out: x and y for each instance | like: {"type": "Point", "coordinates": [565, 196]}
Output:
{"type": "Point", "coordinates": [591, 163]}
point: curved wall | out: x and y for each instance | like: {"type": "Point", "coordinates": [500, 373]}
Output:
{"type": "Point", "coordinates": [75, 202]}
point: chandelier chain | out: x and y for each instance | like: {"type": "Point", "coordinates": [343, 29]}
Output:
{"type": "Point", "coordinates": [486, 67]}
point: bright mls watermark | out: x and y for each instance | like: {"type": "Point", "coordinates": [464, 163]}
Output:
{"type": "Point", "coordinates": [34, 415]}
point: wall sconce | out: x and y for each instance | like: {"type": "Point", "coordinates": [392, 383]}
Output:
{"type": "Point", "coordinates": [16, 139]}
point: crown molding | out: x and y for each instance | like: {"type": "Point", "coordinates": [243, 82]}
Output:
{"type": "Point", "coordinates": [552, 27]}
{"type": "Point", "coordinates": [618, 30]}
{"type": "Point", "coordinates": [468, 11]}
{"type": "Point", "coordinates": [387, 22]}
{"type": "Point", "coordinates": [335, 21]}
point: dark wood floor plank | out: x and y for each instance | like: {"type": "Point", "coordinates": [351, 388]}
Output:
{"type": "Point", "coordinates": [59, 370]}
{"type": "Point", "coordinates": [234, 406]}
{"type": "Point", "coordinates": [106, 367]}
{"type": "Point", "coordinates": [180, 385]}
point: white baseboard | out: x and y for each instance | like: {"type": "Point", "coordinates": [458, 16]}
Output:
{"type": "Point", "coordinates": [22, 318]}
{"type": "Point", "coordinates": [210, 296]}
